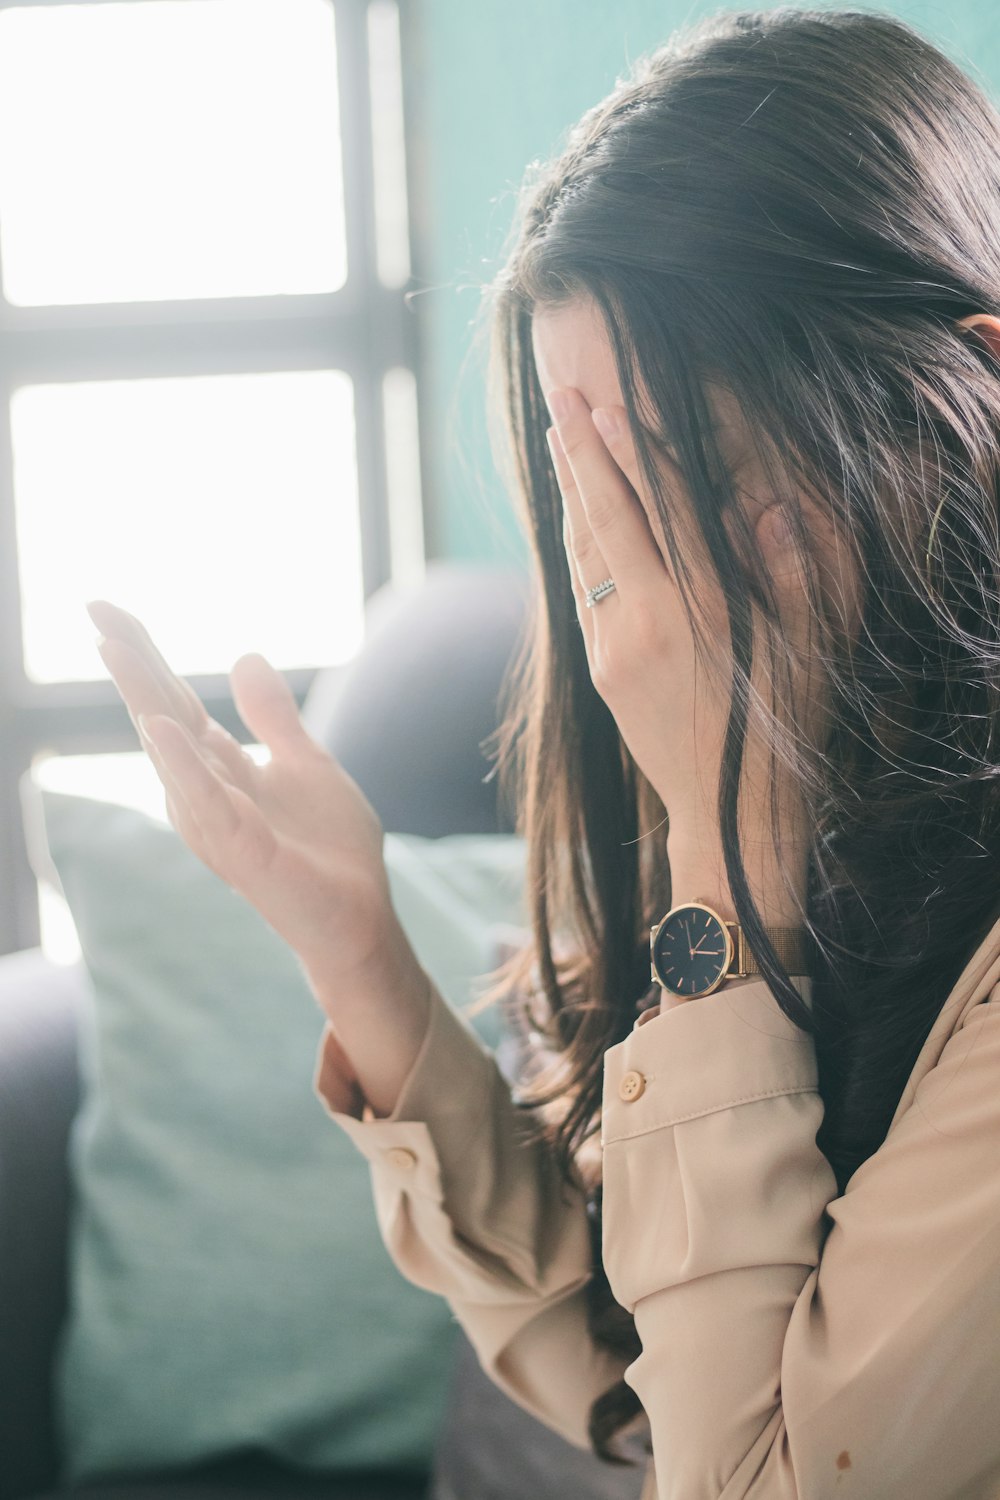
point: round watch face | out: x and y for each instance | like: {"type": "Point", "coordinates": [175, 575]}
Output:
{"type": "Point", "coordinates": [691, 951]}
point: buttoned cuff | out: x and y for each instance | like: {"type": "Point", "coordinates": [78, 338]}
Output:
{"type": "Point", "coordinates": [445, 1091]}
{"type": "Point", "coordinates": [709, 1118]}
{"type": "Point", "coordinates": [705, 1055]}
{"type": "Point", "coordinates": [470, 1199]}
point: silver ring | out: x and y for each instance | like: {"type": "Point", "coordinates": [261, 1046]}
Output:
{"type": "Point", "coordinates": [599, 590]}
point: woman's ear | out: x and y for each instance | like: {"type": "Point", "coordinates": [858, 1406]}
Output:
{"type": "Point", "coordinates": [986, 327]}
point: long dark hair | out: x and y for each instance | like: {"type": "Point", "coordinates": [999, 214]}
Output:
{"type": "Point", "coordinates": [798, 205]}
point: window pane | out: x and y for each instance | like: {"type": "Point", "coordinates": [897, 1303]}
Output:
{"type": "Point", "coordinates": [222, 510]}
{"type": "Point", "coordinates": [155, 150]}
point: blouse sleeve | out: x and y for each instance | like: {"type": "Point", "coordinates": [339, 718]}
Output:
{"type": "Point", "coordinates": [471, 1205]}
{"type": "Point", "coordinates": [796, 1343]}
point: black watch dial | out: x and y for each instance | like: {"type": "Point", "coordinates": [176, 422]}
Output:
{"type": "Point", "coordinates": [690, 952]}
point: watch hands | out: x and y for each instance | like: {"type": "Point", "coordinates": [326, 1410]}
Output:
{"type": "Point", "coordinates": [706, 952]}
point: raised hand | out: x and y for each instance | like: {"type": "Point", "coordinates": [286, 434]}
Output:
{"type": "Point", "coordinates": [643, 660]}
{"type": "Point", "coordinates": [295, 837]}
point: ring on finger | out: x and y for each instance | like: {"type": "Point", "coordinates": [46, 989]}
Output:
{"type": "Point", "coordinates": [599, 591]}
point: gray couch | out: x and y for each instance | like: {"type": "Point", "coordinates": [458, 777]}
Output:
{"type": "Point", "coordinates": [407, 719]}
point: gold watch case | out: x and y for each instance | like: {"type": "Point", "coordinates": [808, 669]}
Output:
{"type": "Point", "coordinates": [735, 950]}
{"type": "Point", "coordinates": [791, 944]}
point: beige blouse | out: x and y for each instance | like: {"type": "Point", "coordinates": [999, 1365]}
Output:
{"type": "Point", "coordinates": [795, 1343]}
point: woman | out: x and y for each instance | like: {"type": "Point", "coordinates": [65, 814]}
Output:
{"type": "Point", "coordinates": [763, 1216]}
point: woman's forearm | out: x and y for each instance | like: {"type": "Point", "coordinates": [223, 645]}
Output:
{"type": "Point", "coordinates": [379, 1015]}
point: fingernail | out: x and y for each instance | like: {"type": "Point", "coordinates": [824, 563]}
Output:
{"type": "Point", "coordinates": [606, 423]}
{"type": "Point", "coordinates": [559, 405]}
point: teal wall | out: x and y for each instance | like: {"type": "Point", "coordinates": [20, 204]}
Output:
{"type": "Point", "coordinates": [499, 83]}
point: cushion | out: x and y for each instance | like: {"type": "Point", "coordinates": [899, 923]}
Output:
{"type": "Point", "coordinates": [228, 1282]}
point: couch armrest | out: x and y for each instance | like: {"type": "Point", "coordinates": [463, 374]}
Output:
{"type": "Point", "coordinates": [39, 1094]}
{"type": "Point", "coordinates": [409, 716]}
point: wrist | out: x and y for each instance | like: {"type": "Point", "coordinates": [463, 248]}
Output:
{"type": "Point", "coordinates": [389, 966]}
{"type": "Point", "coordinates": [698, 873]}
{"type": "Point", "coordinates": [379, 1012]}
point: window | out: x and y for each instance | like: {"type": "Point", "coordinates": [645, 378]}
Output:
{"type": "Point", "coordinates": [208, 405]}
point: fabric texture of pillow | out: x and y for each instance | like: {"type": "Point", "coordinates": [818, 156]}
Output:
{"type": "Point", "coordinates": [228, 1283]}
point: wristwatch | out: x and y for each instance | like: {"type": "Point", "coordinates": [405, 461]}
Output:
{"type": "Point", "coordinates": [693, 950]}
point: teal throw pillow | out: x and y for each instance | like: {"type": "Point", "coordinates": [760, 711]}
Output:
{"type": "Point", "coordinates": [228, 1283]}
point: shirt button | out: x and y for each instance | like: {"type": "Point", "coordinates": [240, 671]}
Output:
{"type": "Point", "coordinates": [631, 1086]}
{"type": "Point", "coordinates": [399, 1156]}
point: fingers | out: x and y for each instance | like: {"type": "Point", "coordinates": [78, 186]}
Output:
{"type": "Point", "coordinates": [131, 674]}
{"type": "Point", "coordinates": [203, 791]}
{"type": "Point", "coordinates": [228, 828]}
{"type": "Point", "coordinates": [178, 811]}
{"type": "Point", "coordinates": [181, 699]}
{"type": "Point", "coordinates": [612, 424]}
{"type": "Point", "coordinates": [608, 529]}
{"type": "Point", "coordinates": [267, 705]}
{"type": "Point", "coordinates": [143, 693]}
{"type": "Point", "coordinates": [574, 543]}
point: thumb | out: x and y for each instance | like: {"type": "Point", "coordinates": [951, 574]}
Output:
{"type": "Point", "coordinates": [795, 573]}
{"type": "Point", "coordinates": [266, 703]}
{"type": "Point", "coordinates": [780, 542]}
{"type": "Point", "coordinates": [783, 554]}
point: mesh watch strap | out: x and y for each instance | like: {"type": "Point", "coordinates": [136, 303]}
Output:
{"type": "Point", "coordinates": [790, 943]}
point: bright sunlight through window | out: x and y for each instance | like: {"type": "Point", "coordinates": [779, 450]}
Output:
{"type": "Point", "coordinates": [209, 423]}
{"type": "Point", "coordinates": [222, 510]}
{"type": "Point", "coordinates": [153, 150]}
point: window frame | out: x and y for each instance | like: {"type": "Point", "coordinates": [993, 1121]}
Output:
{"type": "Point", "coordinates": [364, 328]}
